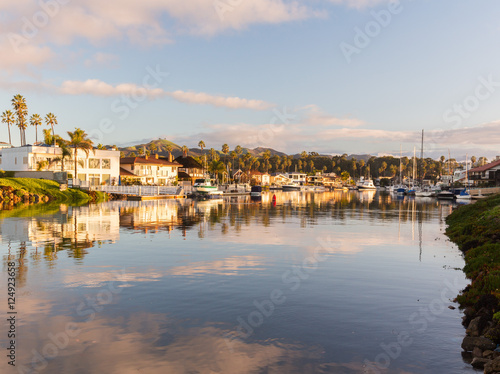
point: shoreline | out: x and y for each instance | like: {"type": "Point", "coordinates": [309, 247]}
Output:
{"type": "Point", "coordinates": [17, 191]}
{"type": "Point", "coordinates": [475, 229]}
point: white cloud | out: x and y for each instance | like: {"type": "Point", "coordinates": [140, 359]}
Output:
{"type": "Point", "coordinates": [360, 4]}
{"type": "Point", "coordinates": [100, 88]}
{"type": "Point", "coordinates": [316, 117]}
{"type": "Point", "coordinates": [102, 59]}
{"type": "Point", "coordinates": [45, 26]}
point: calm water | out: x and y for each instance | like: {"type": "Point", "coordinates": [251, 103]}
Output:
{"type": "Point", "coordinates": [316, 283]}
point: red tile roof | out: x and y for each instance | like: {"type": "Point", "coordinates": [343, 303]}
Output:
{"type": "Point", "coordinates": [147, 161]}
{"type": "Point", "coordinates": [485, 167]}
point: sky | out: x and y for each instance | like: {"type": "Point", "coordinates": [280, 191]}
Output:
{"type": "Point", "coordinates": [329, 76]}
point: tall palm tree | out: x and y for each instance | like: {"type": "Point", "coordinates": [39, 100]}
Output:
{"type": "Point", "coordinates": [66, 151]}
{"type": "Point", "coordinates": [201, 144]}
{"type": "Point", "coordinates": [78, 139]}
{"type": "Point", "coordinates": [233, 155]}
{"type": "Point", "coordinates": [267, 156]}
{"type": "Point", "coordinates": [8, 119]}
{"type": "Point", "coordinates": [213, 154]}
{"type": "Point", "coordinates": [51, 120]}
{"type": "Point", "coordinates": [36, 121]}
{"type": "Point", "coordinates": [21, 110]}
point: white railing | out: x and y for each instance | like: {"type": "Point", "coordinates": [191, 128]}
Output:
{"type": "Point", "coordinates": [139, 190]}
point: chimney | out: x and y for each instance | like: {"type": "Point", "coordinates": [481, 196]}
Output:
{"type": "Point", "coordinates": [170, 157]}
{"type": "Point", "coordinates": [156, 156]}
{"type": "Point", "coordinates": [146, 157]}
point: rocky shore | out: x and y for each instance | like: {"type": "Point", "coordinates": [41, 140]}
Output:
{"type": "Point", "coordinates": [475, 229]}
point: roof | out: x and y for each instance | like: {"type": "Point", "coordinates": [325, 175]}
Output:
{"type": "Point", "coordinates": [485, 167]}
{"type": "Point", "coordinates": [126, 173]}
{"type": "Point", "coordinates": [147, 161]}
{"type": "Point", "coordinates": [182, 175]}
{"type": "Point", "coordinates": [188, 162]}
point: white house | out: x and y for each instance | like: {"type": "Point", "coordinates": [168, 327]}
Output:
{"type": "Point", "coordinates": [98, 167]}
{"type": "Point", "coordinates": [151, 170]}
{"type": "Point", "coordinates": [297, 178]}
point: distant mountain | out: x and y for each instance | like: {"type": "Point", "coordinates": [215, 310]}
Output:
{"type": "Point", "coordinates": [161, 146]}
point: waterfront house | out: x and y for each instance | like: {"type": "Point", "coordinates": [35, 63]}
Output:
{"type": "Point", "coordinates": [95, 168]}
{"type": "Point", "coordinates": [151, 169]}
{"type": "Point", "coordinates": [257, 177]}
{"type": "Point", "coordinates": [189, 169]}
{"type": "Point", "coordinates": [297, 178]}
{"type": "Point", "coordinates": [489, 173]}
{"type": "Point", "coordinates": [279, 179]}
{"type": "Point", "coordinates": [316, 179]}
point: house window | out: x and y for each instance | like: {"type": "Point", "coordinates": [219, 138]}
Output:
{"type": "Point", "coordinates": [94, 179]}
{"type": "Point", "coordinates": [94, 163]}
{"type": "Point", "coordinates": [82, 177]}
{"type": "Point", "coordinates": [105, 178]}
{"type": "Point", "coordinates": [15, 160]}
{"type": "Point", "coordinates": [106, 163]}
{"type": "Point", "coordinates": [25, 160]}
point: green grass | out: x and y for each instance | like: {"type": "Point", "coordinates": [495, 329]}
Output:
{"type": "Point", "coordinates": [47, 188]}
{"type": "Point", "coordinates": [475, 229]}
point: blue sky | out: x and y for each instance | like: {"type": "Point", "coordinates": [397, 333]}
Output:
{"type": "Point", "coordinates": [332, 76]}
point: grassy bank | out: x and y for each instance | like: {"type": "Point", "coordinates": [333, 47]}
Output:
{"type": "Point", "coordinates": [475, 229]}
{"type": "Point", "coordinates": [16, 190]}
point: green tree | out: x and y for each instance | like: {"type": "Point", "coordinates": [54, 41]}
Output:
{"type": "Point", "coordinates": [79, 140]}
{"type": "Point", "coordinates": [153, 148]}
{"type": "Point", "coordinates": [201, 144]}
{"type": "Point", "coordinates": [266, 156]}
{"type": "Point", "coordinates": [185, 150]}
{"type": "Point", "coordinates": [8, 119]}
{"type": "Point", "coordinates": [473, 160]}
{"type": "Point", "coordinates": [169, 150]}
{"type": "Point", "coordinates": [51, 120]}
{"type": "Point", "coordinates": [140, 151]}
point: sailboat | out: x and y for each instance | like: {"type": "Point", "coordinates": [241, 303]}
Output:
{"type": "Point", "coordinates": [401, 188]}
{"type": "Point", "coordinates": [464, 194]}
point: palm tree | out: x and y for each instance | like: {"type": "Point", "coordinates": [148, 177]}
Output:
{"type": "Point", "coordinates": [473, 159]}
{"type": "Point", "coordinates": [233, 155]}
{"type": "Point", "coordinates": [267, 156]}
{"type": "Point", "coordinates": [201, 144]}
{"type": "Point", "coordinates": [36, 121]}
{"type": "Point", "coordinates": [185, 150]}
{"type": "Point", "coordinates": [225, 150]}
{"type": "Point", "coordinates": [21, 110]}
{"type": "Point", "coordinates": [213, 154]}
{"type": "Point", "coordinates": [78, 139]}
{"type": "Point", "coordinates": [51, 120]}
{"type": "Point", "coordinates": [66, 152]}
{"type": "Point", "coordinates": [47, 136]}
{"type": "Point", "coordinates": [8, 118]}
{"type": "Point", "coordinates": [217, 168]}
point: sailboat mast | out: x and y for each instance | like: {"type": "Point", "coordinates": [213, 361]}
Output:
{"type": "Point", "coordinates": [400, 164]}
{"type": "Point", "coordinates": [414, 166]}
{"type": "Point", "coordinates": [422, 160]}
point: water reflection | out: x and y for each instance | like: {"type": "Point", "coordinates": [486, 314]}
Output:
{"type": "Point", "coordinates": [159, 286]}
{"type": "Point", "coordinates": [42, 234]}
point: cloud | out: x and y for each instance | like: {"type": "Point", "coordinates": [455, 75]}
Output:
{"type": "Point", "coordinates": [219, 101]}
{"type": "Point", "coordinates": [360, 4]}
{"type": "Point", "coordinates": [100, 88]}
{"type": "Point", "coordinates": [316, 117]}
{"type": "Point", "coordinates": [102, 59]}
{"type": "Point", "coordinates": [47, 25]}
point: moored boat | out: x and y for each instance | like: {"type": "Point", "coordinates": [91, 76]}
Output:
{"type": "Point", "coordinates": [204, 186]}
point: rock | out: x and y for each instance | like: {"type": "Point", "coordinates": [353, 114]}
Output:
{"type": "Point", "coordinates": [492, 367]}
{"type": "Point", "coordinates": [477, 352]}
{"type": "Point", "coordinates": [482, 343]}
{"type": "Point", "coordinates": [479, 363]}
{"type": "Point", "coordinates": [473, 328]}
{"type": "Point", "coordinates": [451, 307]}
{"type": "Point", "coordinates": [488, 354]}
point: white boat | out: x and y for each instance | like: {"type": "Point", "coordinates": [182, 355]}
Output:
{"type": "Point", "coordinates": [367, 185]}
{"type": "Point", "coordinates": [256, 191]}
{"type": "Point", "coordinates": [204, 186]}
{"type": "Point", "coordinates": [291, 187]}
{"type": "Point", "coordinates": [446, 195]}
